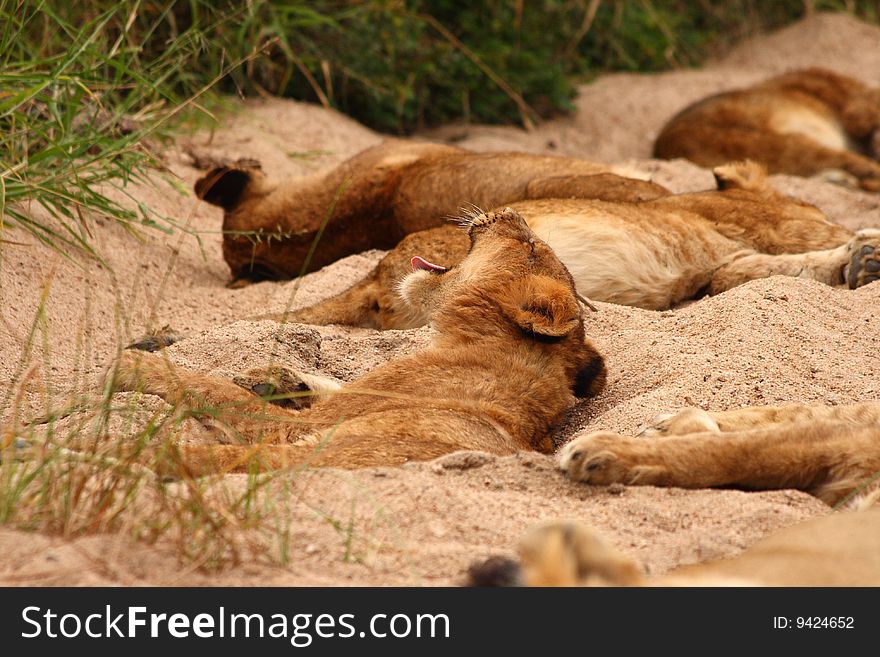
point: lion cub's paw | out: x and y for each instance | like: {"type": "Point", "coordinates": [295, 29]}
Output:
{"type": "Point", "coordinates": [864, 258]}
{"type": "Point", "coordinates": [607, 458]}
{"type": "Point", "coordinates": [688, 420]}
{"type": "Point", "coordinates": [839, 177]}
{"type": "Point", "coordinates": [283, 386]}
{"type": "Point", "coordinates": [870, 184]}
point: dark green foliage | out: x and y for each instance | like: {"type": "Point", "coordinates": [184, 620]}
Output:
{"type": "Point", "coordinates": [398, 65]}
{"type": "Point", "coordinates": [645, 35]}
{"type": "Point", "coordinates": [403, 64]}
{"type": "Point", "coordinates": [406, 64]}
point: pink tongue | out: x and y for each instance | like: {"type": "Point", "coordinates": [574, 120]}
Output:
{"type": "Point", "coordinates": [420, 263]}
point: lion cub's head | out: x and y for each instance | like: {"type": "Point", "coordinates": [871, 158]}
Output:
{"type": "Point", "coordinates": [511, 286]}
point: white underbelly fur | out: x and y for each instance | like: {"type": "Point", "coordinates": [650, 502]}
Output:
{"type": "Point", "coordinates": [804, 121]}
{"type": "Point", "coordinates": [616, 263]}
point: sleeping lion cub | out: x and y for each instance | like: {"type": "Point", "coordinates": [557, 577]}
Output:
{"type": "Point", "coordinates": [840, 549]}
{"type": "Point", "coordinates": [651, 254]}
{"type": "Point", "coordinates": [804, 123]}
{"type": "Point", "coordinates": [508, 357]}
{"type": "Point", "coordinates": [374, 199]}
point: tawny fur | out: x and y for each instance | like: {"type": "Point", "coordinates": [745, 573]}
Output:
{"type": "Point", "coordinates": [651, 254]}
{"type": "Point", "coordinates": [832, 452]}
{"type": "Point", "coordinates": [508, 358]}
{"type": "Point", "coordinates": [804, 123]}
{"type": "Point", "coordinates": [376, 198]}
{"type": "Point", "coordinates": [840, 549]}
{"type": "Point", "coordinates": [374, 302]}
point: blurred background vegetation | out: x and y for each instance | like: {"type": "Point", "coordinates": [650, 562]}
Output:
{"type": "Point", "coordinates": [396, 65]}
{"type": "Point", "coordinates": [403, 65]}
{"type": "Point", "coordinates": [83, 83]}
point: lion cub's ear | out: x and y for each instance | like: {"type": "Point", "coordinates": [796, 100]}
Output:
{"type": "Point", "coordinates": [742, 175]}
{"type": "Point", "coordinates": [542, 305]}
{"type": "Point", "coordinates": [225, 186]}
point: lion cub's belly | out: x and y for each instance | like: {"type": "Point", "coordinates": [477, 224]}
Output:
{"type": "Point", "coordinates": [793, 118]}
{"type": "Point", "coordinates": [650, 260]}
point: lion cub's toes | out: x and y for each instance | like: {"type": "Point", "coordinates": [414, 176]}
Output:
{"type": "Point", "coordinates": [864, 259]}
{"type": "Point", "coordinates": [284, 386]}
{"type": "Point", "coordinates": [607, 458]}
{"type": "Point", "coordinates": [688, 420]}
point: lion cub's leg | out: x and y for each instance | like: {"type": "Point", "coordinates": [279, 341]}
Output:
{"type": "Point", "coordinates": [600, 186]}
{"type": "Point", "coordinates": [354, 307]}
{"type": "Point", "coordinates": [687, 420]}
{"type": "Point", "coordinates": [828, 459]}
{"type": "Point", "coordinates": [203, 460]}
{"type": "Point", "coordinates": [799, 155]}
{"type": "Point", "coordinates": [864, 169]}
{"type": "Point", "coordinates": [693, 420]}
{"type": "Point", "coordinates": [208, 397]}
{"type": "Point", "coordinates": [854, 264]}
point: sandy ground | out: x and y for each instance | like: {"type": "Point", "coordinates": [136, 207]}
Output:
{"type": "Point", "coordinates": [771, 341]}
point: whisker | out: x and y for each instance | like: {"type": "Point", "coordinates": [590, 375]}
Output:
{"type": "Point", "coordinates": [466, 215]}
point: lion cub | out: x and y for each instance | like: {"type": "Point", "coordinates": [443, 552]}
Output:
{"type": "Point", "coordinates": [508, 358]}
{"type": "Point", "coordinates": [840, 549]}
{"type": "Point", "coordinates": [380, 195]}
{"type": "Point", "coordinates": [806, 122]}
{"type": "Point", "coordinates": [651, 254]}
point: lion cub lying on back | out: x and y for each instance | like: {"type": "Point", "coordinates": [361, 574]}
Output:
{"type": "Point", "coordinates": [803, 123]}
{"type": "Point", "coordinates": [508, 358]}
{"type": "Point", "coordinates": [651, 254]}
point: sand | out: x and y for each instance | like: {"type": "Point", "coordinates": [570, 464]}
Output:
{"type": "Point", "coordinates": [771, 341]}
